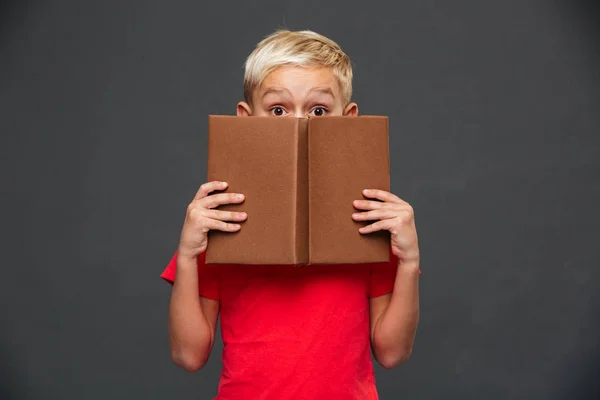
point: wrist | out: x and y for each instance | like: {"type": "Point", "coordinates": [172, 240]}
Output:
{"type": "Point", "coordinates": [185, 256]}
{"type": "Point", "coordinates": [410, 266]}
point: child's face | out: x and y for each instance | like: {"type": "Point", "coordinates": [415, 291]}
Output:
{"type": "Point", "coordinates": [298, 92]}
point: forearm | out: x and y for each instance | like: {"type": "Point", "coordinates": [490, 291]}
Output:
{"type": "Point", "coordinates": [190, 334]}
{"type": "Point", "coordinates": [395, 331]}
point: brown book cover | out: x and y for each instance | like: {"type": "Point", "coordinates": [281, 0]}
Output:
{"type": "Point", "coordinates": [300, 177]}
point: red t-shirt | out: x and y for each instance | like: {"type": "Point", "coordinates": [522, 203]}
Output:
{"type": "Point", "coordinates": [294, 332]}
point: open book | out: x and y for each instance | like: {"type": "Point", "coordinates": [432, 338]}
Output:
{"type": "Point", "coordinates": [300, 177]}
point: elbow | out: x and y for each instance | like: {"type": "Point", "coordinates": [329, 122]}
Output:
{"type": "Point", "coordinates": [391, 360]}
{"type": "Point", "coordinates": [189, 361]}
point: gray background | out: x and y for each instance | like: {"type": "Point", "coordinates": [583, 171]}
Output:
{"type": "Point", "coordinates": [494, 111]}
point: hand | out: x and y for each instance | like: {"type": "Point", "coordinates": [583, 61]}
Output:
{"type": "Point", "coordinates": [201, 218]}
{"type": "Point", "coordinates": [394, 215]}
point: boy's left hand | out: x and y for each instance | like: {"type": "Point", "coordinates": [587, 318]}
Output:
{"type": "Point", "coordinates": [394, 215]}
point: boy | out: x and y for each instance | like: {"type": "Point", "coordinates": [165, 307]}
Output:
{"type": "Point", "coordinates": [295, 333]}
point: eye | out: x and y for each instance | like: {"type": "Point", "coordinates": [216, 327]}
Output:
{"type": "Point", "coordinates": [318, 111]}
{"type": "Point", "coordinates": [277, 111]}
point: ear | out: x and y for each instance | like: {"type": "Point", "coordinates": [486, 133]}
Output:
{"type": "Point", "coordinates": [243, 109]}
{"type": "Point", "coordinates": [351, 110]}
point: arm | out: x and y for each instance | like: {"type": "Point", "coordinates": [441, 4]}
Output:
{"type": "Point", "coordinates": [395, 316]}
{"type": "Point", "coordinates": [192, 320]}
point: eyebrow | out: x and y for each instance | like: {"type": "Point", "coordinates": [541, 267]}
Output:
{"type": "Point", "coordinates": [323, 90]}
{"type": "Point", "coordinates": [274, 90]}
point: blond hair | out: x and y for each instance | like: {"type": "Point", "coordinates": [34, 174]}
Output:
{"type": "Point", "coordinates": [296, 48]}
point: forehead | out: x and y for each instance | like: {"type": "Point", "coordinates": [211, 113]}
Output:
{"type": "Point", "coordinates": [299, 81]}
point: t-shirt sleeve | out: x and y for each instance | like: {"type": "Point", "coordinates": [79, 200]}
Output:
{"type": "Point", "coordinates": [383, 277]}
{"type": "Point", "coordinates": [208, 278]}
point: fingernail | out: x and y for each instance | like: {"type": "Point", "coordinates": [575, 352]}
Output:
{"type": "Point", "coordinates": [239, 196]}
{"type": "Point", "coordinates": [223, 183]}
{"type": "Point", "coordinates": [366, 191]}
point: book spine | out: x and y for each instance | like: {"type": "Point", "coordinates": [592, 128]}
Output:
{"type": "Point", "coordinates": [301, 187]}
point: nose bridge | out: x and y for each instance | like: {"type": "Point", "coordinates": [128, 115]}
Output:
{"type": "Point", "coordinates": [298, 112]}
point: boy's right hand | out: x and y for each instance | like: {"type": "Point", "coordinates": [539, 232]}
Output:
{"type": "Point", "coordinates": [201, 218]}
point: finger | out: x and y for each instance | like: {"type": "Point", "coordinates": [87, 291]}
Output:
{"type": "Point", "coordinates": [383, 196]}
{"type": "Point", "coordinates": [383, 225]}
{"type": "Point", "coordinates": [216, 225]}
{"type": "Point", "coordinates": [216, 200]}
{"type": "Point", "coordinates": [373, 205]}
{"type": "Point", "coordinates": [375, 215]}
{"type": "Point", "coordinates": [209, 187]}
{"type": "Point", "coordinates": [224, 215]}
